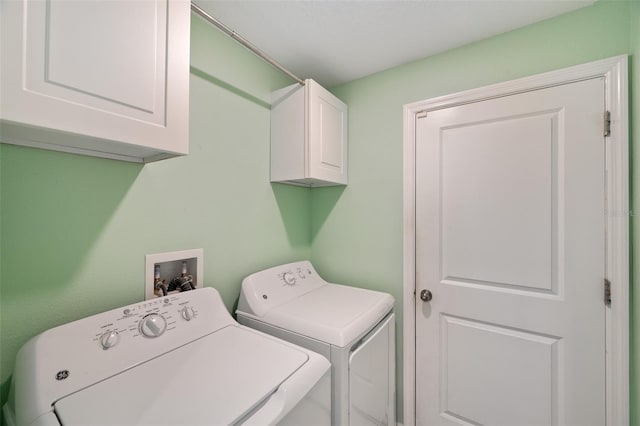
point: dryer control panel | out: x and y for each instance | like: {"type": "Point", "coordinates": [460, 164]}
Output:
{"type": "Point", "coordinates": [299, 272]}
{"type": "Point", "coordinates": [272, 287]}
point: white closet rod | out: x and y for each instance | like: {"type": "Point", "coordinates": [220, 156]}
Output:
{"type": "Point", "coordinates": [237, 37]}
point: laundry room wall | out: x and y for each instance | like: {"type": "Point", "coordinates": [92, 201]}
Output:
{"type": "Point", "coordinates": [75, 229]}
{"type": "Point", "coordinates": [357, 231]}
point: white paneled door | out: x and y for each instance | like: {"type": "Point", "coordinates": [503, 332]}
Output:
{"type": "Point", "coordinates": [510, 243]}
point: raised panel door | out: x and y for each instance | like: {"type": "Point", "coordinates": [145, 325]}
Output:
{"type": "Point", "coordinates": [510, 240]}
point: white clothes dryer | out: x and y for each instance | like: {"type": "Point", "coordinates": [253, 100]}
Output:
{"type": "Point", "coordinates": [352, 327]}
{"type": "Point", "coordinates": [176, 360]}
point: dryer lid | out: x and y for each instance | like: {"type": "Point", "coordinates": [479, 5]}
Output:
{"type": "Point", "coordinates": [335, 314]}
{"type": "Point", "coordinates": [214, 380]}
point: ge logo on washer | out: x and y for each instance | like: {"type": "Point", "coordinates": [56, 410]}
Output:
{"type": "Point", "coordinates": [62, 374]}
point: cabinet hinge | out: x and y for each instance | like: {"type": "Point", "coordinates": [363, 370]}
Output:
{"type": "Point", "coordinates": [607, 123]}
{"type": "Point", "coordinates": [607, 292]}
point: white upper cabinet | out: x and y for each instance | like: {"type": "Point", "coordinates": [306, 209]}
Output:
{"type": "Point", "coordinates": [308, 136]}
{"type": "Point", "coordinates": [95, 77]}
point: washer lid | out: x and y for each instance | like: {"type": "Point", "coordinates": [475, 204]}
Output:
{"type": "Point", "coordinates": [215, 380]}
{"type": "Point", "coordinates": [336, 314]}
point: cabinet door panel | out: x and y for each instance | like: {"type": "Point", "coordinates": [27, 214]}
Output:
{"type": "Point", "coordinates": [109, 55]}
{"type": "Point", "coordinates": [328, 135]}
{"type": "Point", "coordinates": [308, 136]}
{"type": "Point", "coordinates": [91, 47]}
{"type": "Point", "coordinates": [96, 77]}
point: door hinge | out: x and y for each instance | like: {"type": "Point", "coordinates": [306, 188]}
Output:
{"type": "Point", "coordinates": [607, 123]}
{"type": "Point", "coordinates": [421, 114]}
{"type": "Point", "coordinates": [607, 292]}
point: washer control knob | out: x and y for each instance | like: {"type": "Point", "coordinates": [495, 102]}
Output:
{"type": "Point", "coordinates": [289, 278]}
{"type": "Point", "coordinates": [187, 313]}
{"type": "Point", "coordinates": [109, 339]}
{"type": "Point", "coordinates": [153, 325]}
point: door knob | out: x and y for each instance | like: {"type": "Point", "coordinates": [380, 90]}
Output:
{"type": "Point", "coordinates": [426, 295]}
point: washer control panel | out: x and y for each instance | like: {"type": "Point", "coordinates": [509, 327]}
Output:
{"type": "Point", "coordinates": [75, 355]}
{"type": "Point", "coordinates": [149, 319]}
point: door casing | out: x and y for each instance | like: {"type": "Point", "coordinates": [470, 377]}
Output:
{"type": "Point", "coordinates": [614, 71]}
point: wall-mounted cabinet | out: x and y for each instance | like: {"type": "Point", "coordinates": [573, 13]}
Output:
{"type": "Point", "coordinates": [308, 136]}
{"type": "Point", "coordinates": [102, 78]}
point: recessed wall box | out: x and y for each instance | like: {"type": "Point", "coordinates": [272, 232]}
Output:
{"type": "Point", "coordinates": [173, 272]}
{"type": "Point", "coordinates": [308, 136]}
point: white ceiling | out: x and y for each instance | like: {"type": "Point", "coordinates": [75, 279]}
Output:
{"type": "Point", "coordinates": [338, 41]}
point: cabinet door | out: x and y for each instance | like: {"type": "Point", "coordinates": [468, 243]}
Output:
{"type": "Point", "coordinates": [327, 149]}
{"type": "Point", "coordinates": [109, 70]}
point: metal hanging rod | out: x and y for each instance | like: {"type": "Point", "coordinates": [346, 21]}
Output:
{"type": "Point", "coordinates": [237, 37]}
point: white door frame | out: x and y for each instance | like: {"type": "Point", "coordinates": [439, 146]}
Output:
{"type": "Point", "coordinates": [614, 71]}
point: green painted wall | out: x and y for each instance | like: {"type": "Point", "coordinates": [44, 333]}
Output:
{"type": "Point", "coordinates": [75, 229]}
{"type": "Point", "coordinates": [357, 231]}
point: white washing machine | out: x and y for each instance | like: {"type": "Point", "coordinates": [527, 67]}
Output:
{"type": "Point", "coordinates": [352, 327]}
{"type": "Point", "coordinates": [177, 360]}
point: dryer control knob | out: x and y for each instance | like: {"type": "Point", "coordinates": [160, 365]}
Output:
{"type": "Point", "coordinates": [153, 325]}
{"type": "Point", "coordinates": [109, 339]}
{"type": "Point", "coordinates": [289, 278]}
{"type": "Point", "coordinates": [187, 313]}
